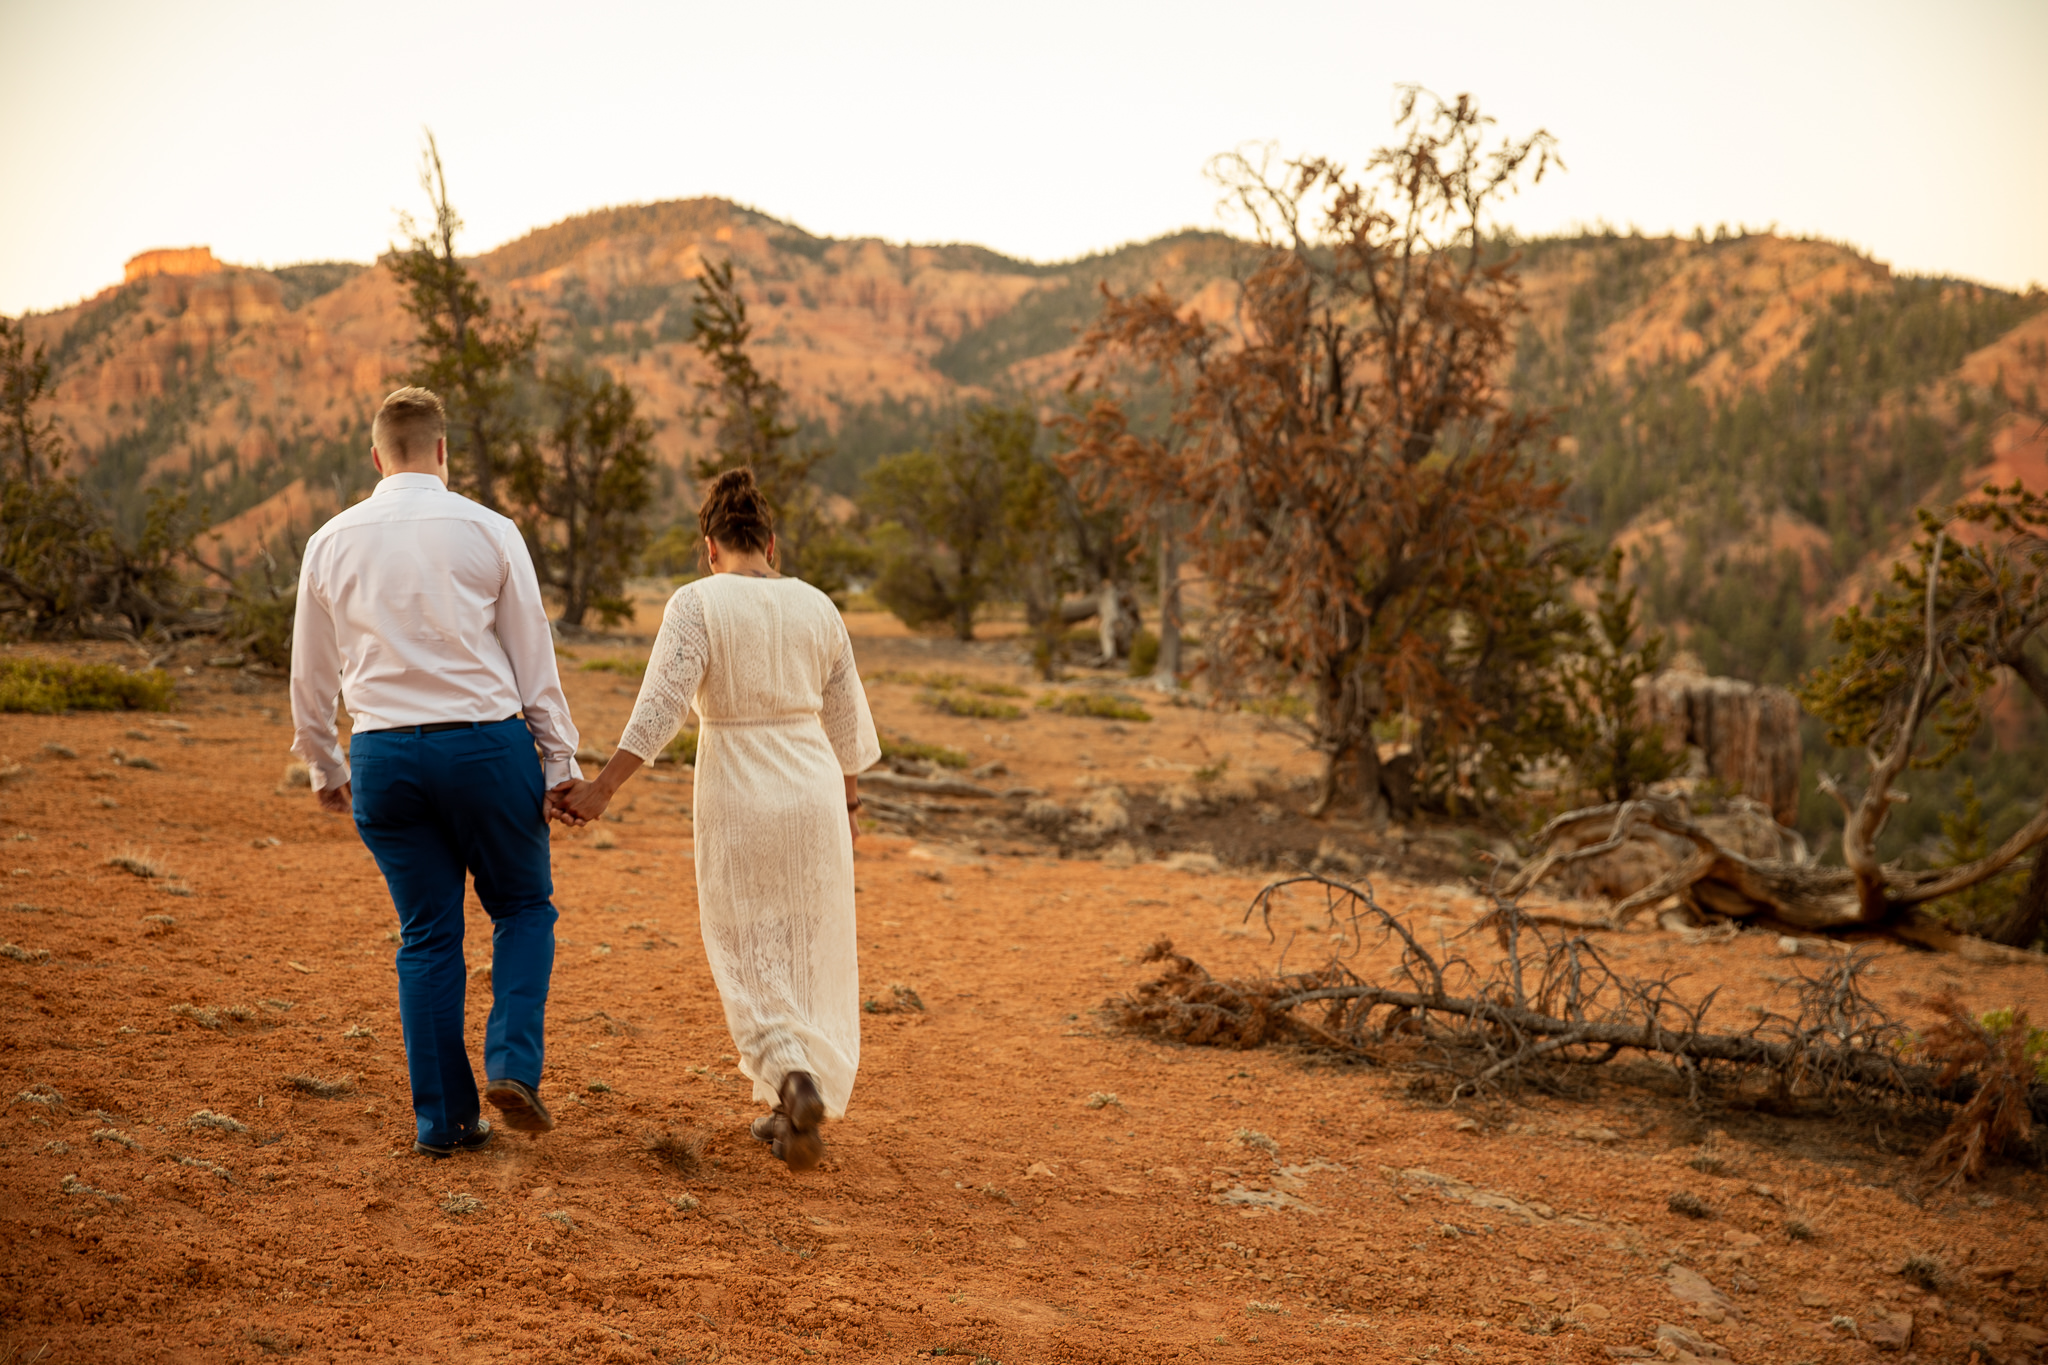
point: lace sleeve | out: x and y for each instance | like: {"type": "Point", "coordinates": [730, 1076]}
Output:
{"type": "Point", "coordinates": [844, 711]}
{"type": "Point", "coordinates": [674, 669]}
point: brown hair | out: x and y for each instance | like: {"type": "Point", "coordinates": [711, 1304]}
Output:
{"type": "Point", "coordinates": [408, 424]}
{"type": "Point", "coordinates": [735, 514]}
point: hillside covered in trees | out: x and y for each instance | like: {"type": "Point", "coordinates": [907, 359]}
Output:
{"type": "Point", "coordinates": [1751, 419]}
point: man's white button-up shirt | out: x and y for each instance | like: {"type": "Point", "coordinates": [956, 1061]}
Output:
{"type": "Point", "coordinates": [418, 606]}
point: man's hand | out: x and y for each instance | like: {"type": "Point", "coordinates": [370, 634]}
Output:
{"type": "Point", "coordinates": [576, 803]}
{"type": "Point", "coordinates": [336, 800]}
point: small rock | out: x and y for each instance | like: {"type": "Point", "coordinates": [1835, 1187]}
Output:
{"type": "Point", "coordinates": [1889, 1331]}
{"type": "Point", "coordinates": [1685, 1340]}
{"type": "Point", "coordinates": [1592, 1312]}
{"type": "Point", "coordinates": [1813, 1298]}
{"type": "Point", "coordinates": [1788, 946]}
{"type": "Point", "coordinates": [1038, 1170]}
{"type": "Point", "coordinates": [1694, 1288]}
{"type": "Point", "coordinates": [1468, 1126]}
{"type": "Point", "coordinates": [1603, 1137]}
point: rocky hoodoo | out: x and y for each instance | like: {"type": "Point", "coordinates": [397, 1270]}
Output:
{"type": "Point", "coordinates": [171, 260]}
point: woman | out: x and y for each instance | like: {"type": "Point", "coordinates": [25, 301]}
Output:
{"type": "Point", "coordinates": [784, 729]}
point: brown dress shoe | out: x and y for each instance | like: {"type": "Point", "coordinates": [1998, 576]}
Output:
{"type": "Point", "coordinates": [519, 1107]}
{"type": "Point", "coordinates": [771, 1127]}
{"type": "Point", "coordinates": [803, 1109]}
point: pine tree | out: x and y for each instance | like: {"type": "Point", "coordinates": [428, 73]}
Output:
{"type": "Point", "coordinates": [749, 427]}
{"type": "Point", "coordinates": [1617, 751]}
{"type": "Point", "coordinates": [471, 358]}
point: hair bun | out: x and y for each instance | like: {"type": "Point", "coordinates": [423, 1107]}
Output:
{"type": "Point", "coordinates": [735, 514]}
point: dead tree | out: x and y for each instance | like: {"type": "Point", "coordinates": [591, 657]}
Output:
{"type": "Point", "coordinates": [1507, 1001]}
{"type": "Point", "coordinates": [1927, 651]}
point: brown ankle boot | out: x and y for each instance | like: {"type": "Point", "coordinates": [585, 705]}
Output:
{"type": "Point", "coordinates": [803, 1110]}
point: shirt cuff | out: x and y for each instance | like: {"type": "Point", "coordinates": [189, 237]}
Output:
{"type": "Point", "coordinates": [326, 777]}
{"type": "Point", "coordinates": [556, 771]}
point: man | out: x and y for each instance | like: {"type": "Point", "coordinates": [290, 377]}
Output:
{"type": "Point", "coordinates": [422, 610]}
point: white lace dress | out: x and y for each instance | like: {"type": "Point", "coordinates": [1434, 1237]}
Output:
{"type": "Point", "coordinates": [783, 718]}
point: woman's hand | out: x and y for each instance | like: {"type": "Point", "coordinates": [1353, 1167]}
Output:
{"type": "Point", "coordinates": [576, 803]}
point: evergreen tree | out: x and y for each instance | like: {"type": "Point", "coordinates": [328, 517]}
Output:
{"type": "Point", "coordinates": [65, 566]}
{"type": "Point", "coordinates": [461, 351]}
{"type": "Point", "coordinates": [584, 493]}
{"type": "Point", "coordinates": [959, 523]}
{"type": "Point", "coordinates": [1617, 751]}
{"type": "Point", "coordinates": [749, 427]}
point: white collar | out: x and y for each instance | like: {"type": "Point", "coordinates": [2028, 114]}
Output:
{"type": "Point", "coordinates": [408, 479]}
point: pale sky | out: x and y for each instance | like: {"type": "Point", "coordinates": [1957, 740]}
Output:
{"type": "Point", "coordinates": [278, 132]}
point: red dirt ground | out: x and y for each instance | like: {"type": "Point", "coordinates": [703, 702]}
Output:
{"type": "Point", "coordinates": [1017, 1181]}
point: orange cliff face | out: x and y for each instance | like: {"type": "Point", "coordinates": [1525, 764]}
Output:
{"type": "Point", "coordinates": [174, 260]}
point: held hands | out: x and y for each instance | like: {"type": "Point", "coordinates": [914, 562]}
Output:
{"type": "Point", "coordinates": [576, 803]}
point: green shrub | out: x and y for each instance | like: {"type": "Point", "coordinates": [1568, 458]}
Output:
{"type": "Point", "coordinates": [971, 705]}
{"type": "Point", "coordinates": [946, 682]}
{"type": "Point", "coordinates": [904, 747]}
{"type": "Point", "coordinates": [628, 668]}
{"type": "Point", "coordinates": [683, 748]}
{"type": "Point", "coordinates": [1095, 705]}
{"type": "Point", "coordinates": [47, 686]}
{"type": "Point", "coordinates": [1144, 654]}
{"type": "Point", "coordinates": [1998, 1022]}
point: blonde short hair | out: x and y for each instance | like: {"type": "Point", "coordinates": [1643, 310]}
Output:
{"type": "Point", "coordinates": [409, 423]}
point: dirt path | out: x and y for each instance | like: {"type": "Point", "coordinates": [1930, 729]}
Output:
{"type": "Point", "coordinates": [1016, 1181]}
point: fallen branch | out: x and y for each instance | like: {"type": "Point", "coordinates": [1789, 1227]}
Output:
{"type": "Point", "coordinates": [1717, 880]}
{"type": "Point", "coordinates": [1487, 1018]}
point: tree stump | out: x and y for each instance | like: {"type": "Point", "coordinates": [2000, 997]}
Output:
{"type": "Point", "coordinates": [1747, 734]}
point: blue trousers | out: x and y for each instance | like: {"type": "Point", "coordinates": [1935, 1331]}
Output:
{"type": "Point", "coordinates": [430, 808]}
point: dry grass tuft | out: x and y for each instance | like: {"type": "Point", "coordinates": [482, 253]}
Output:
{"type": "Point", "coordinates": [1799, 1230]}
{"type": "Point", "coordinates": [209, 1167]}
{"type": "Point", "coordinates": [358, 1031]}
{"type": "Point", "coordinates": [297, 775]}
{"type": "Point", "coordinates": [1997, 1117]}
{"type": "Point", "coordinates": [140, 863]}
{"type": "Point", "coordinates": [561, 1219]}
{"type": "Point", "coordinates": [206, 1118]}
{"type": "Point", "coordinates": [21, 954]}
{"type": "Point", "coordinates": [12, 772]}
{"type": "Point", "coordinates": [116, 1137]}
{"type": "Point", "coordinates": [684, 1202]}
{"type": "Point", "coordinates": [1688, 1204]}
{"type": "Point", "coordinates": [124, 759]}
{"type": "Point", "coordinates": [202, 1017]}
{"type": "Point", "coordinates": [461, 1205]}
{"type": "Point", "coordinates": [902, 1000]}
{"type": "Point", "coordinates": [1926, 1270]}
{"type": "Point", "coordinates": [321, 1089]}
{"type": "Point", "coordinates": [56, 750]}
{"type": "Point", "coordinates": [159, 925]}
{"type": "Point", "coordinates": [682, 1153]}
{"type": "Point", "coordinates": [603, 839]}
{"type": "Point", "coordinates": [71, 1184]}
{"type": "Point", "coordinates": [45, 1095]}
